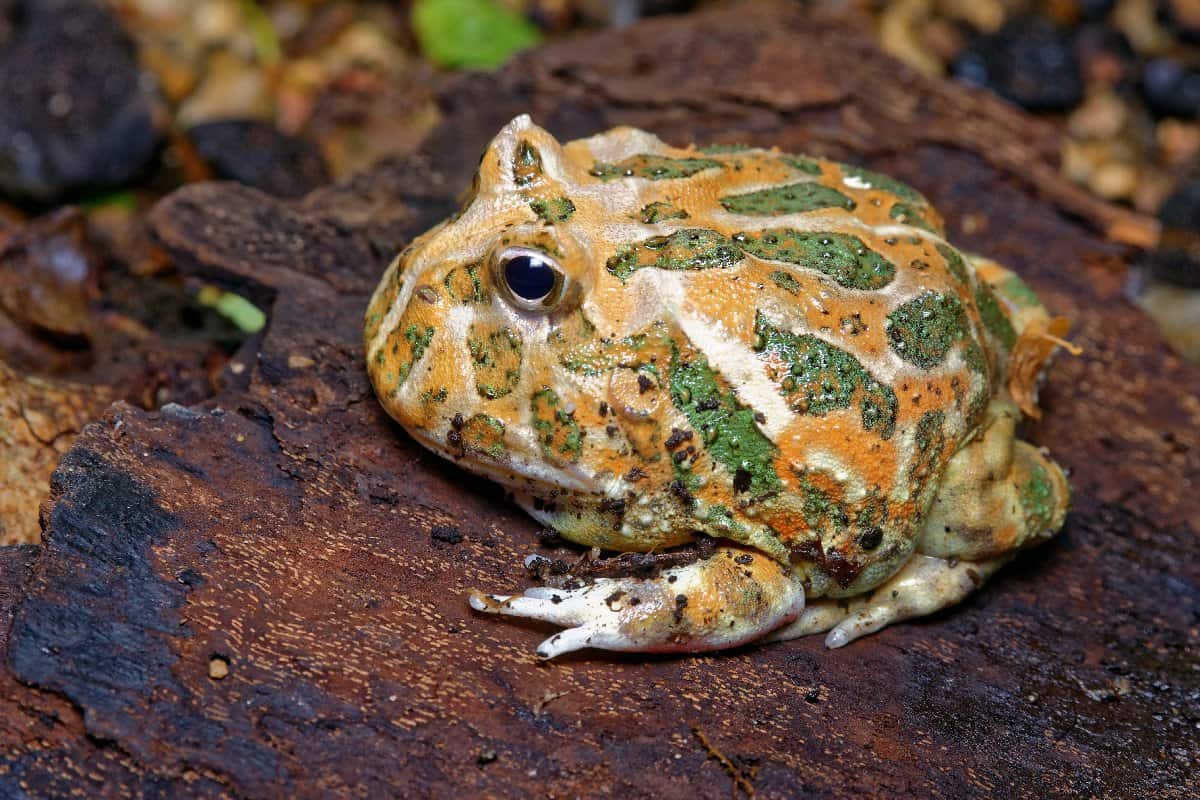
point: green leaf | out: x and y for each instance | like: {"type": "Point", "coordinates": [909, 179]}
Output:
{"type": "Point", "coordinates": [470, 34]}
{"type": "Point", "coordinates": [237, 309]}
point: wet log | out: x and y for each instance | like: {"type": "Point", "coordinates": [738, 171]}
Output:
{"type": "Point", "coordinates": [263, 595]}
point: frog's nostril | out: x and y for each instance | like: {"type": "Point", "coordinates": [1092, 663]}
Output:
{"type": "Point", "coordinates": [427, 293]}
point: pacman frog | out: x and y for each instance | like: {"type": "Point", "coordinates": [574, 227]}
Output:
{"type": "Point", "coordinates": [778, 355]}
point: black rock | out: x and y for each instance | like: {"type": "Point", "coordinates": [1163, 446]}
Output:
{"type": "Point", "coordinates": [75, 109]}
{"type": "Point", "coordinates": [1171, 88]}
{"type": "Point", "coordinates": [258, 154]}
{"type": "Point", "coordinates": [1177, 260]}
{"type": "Point", "coordinates": [1028, 61]}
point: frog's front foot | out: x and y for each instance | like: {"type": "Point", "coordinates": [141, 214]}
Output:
{"type": "Point", "coordinates": [729, 598]}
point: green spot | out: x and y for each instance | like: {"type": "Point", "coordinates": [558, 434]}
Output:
{"type": "Point", "coordinates": [464, 284]}
{"type": "Point", "coordinates": [417, 340]}
{"type": "Point", "coordinates": [688, 249]}
{"type": "Point", "coordinates": [805, 164]}
{"type": "Point", "coordinates": [977, 363]}
{"type": "Point", "coordinates": [785, 281]}
{"type": "Point", "coordinates": [485, 434]}
{"type": "Point", "coordinates": [793, 198]}
{"type": "Point", "coordinates": [653, 167]}
{"type": "Point", "coordinates": [731, 436]}
{"type": "Point", "coordinates": [993, 316]}
{"type": "Point", "coordinates": [657, 212]}
{"type": "Point", "coordinates": [923, 330]}
{"type": "Point", "coordinates": [1037, 499]}
{"type": "Point", "coordinates": [558, 432]}
{"type": "Point", "coordinates": [496, 357]}
{"type": "Point", "coordinates": [1019, 292]}
{"type": "Point", "coordinates": [527, 164]}
{"type": "Point", "coordinates": [840, 256]}
{"type": "Point", "coordinates": [470, 34]}
{"type": "Point", "coordinates": [822, 514]}
{"type": "Point", "coordinates": [906, 214]}
{"type": "Point", "coordinates": [429, 396]}
{"type": "Point", "coordinates": [877, 180]}
{"type": "Point", "coordinates": [719, 518]}
{"type": "Point", "coordinates": [558, 209]}
{"type": "Point", "coordinates": [818, 378]}
{"type": "Point", "coordinates": [954, 261]}
{"type": "Point", "coordinates": [931, 442]}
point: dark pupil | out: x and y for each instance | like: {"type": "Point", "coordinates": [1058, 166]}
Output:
{"type": "Point", "coordinates": [529, 277]}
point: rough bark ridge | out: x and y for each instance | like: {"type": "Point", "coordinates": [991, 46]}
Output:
{"type": "Point", "coordinates": [287, 531]}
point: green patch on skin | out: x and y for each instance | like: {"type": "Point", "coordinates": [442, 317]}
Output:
{"type": "Point", "coordinates": [496, 356]}
{"type": "Point", "coordinates": [785, 281]}
{"type": "Point", "coordinates": [726, 427]}
{"type": "Point", "coordinates": [840, 256]}
{"type": "Point", "coordinates": [820, 378]}
{"type": "Point", "coordinates": [720, 519]}
{"type": "Point", "coordinates": [823, 515]}
{"type": "Point", "coordinates": [993, 316]}
{"type": "Point", "coordinates": [485, 434]}
{"type": "Point", "coordinates": [659, 211]}
{"type": "Point", "coordinates": [558, 432]}
{"type": "Point", "coordinates": [465, 285]}
{"type": "Point", "coordinates": [793, 198]}
{"type": "Point", "coordinates": [410, 345]}
{"type": "Point", "coordinates": [923, 330]}
{"type": "Point", "coordinates": [429, 396]}
{"type": "Point", "coordinates": [809, 166]}
{"type": "Point", "coordinates": [1037, 499]}
{"type": "Point", "coordinates": [1019, 292]}
{"type": "Point", "coordinates": [527, 164]}
{"type": "Point", "coordinates": [977, 363]}
{"type": "Point", "coordinates": [652, 167]}
{"type": "Point", "coordinates": [954, 262]}
{"type": "Point", "coordinates": [688, 249]}
{"type": "Point", "coordinates": [558, 209]}
{"type": "Point", "coordinates": [930, 442]}
{"type": "Point", "coordinates": [907, 215]}
{"type": "Point", "coordinates": [878, 180]}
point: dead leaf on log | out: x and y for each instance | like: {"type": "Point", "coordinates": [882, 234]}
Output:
{"type": "Point", "coordinates": [39, 420]}
{"type": "Point", "coordinates": [286, 528]}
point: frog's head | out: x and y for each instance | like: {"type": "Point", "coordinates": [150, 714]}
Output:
{"type": "Point", "coordinates": [488, 337]}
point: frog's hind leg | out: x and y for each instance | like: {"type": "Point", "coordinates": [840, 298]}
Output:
{"type": "Point", "coordinates": [997, 495]}
{"type": "Point", "coordinates": [732, 597]}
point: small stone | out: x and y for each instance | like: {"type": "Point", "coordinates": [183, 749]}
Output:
{"type": "Point", "coordinates": [1171, 89]}
{"type": "Point", "coordinates": [218, 667]}
{"type": "Point", "coordinates": [1028, 61]}
{"type": "Point", "coordinates": [450, 534]}
{"type": "Point", "coordinates": [257, 154]}
{"type": "Point", "coordinates": [76, 111]}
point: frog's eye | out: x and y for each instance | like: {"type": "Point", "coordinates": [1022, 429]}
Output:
{"type": "Point", "coordinates": [533, 279]}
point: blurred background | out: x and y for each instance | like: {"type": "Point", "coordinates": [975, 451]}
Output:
{"type": "Point", "coordinates": [107, 105]}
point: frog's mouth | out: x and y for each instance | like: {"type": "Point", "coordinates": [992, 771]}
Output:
{"type": "Point", "coordinates": [511, 470]}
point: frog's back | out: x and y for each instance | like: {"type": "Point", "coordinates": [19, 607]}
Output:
{"type": "Point", "coordinates": [821, 350]}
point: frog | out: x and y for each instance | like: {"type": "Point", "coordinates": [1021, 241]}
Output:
{"type": "Point", "coordinates": [774, 364]}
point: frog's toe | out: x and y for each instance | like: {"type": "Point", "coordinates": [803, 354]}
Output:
{"type": "Point", "coordinates": [924, 585]}
{"type": "Point", "coordinates": [732, 597]}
